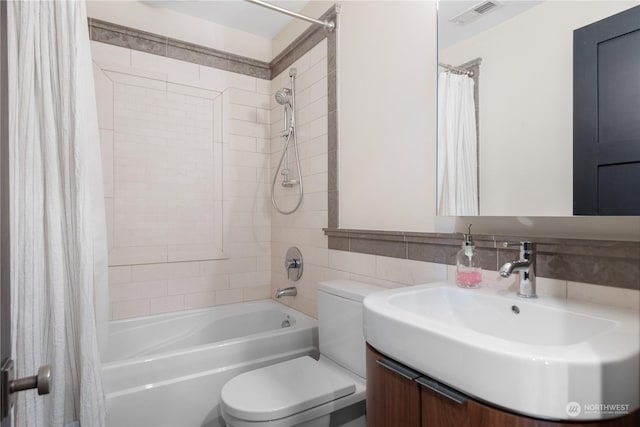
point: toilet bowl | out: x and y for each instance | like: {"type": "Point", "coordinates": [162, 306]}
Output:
{"type": "Point", "coordinates": [304, 391]}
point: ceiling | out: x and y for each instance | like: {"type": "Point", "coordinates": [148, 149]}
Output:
{"type": "Point", "coordinates": [450, 33]}
{"type": "Point", "coordinates": [237, 14]}
{"type": "Point", "coordinates": [266, 23]}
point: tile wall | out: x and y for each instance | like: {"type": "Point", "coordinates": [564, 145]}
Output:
{"type": "Point", "coordinates": [210, 245]}
{"type": "Point", "coordinates": [303, 228]}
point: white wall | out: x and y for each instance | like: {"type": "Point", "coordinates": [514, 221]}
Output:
{"type": "Point", "coordinates": [526, 103]}
{"type": "Point", "coordinates": [161, 21]}
{"type": "Point", "coordinates": [386, 75]}
{"type": "Point", "coordinates": [387, 179]}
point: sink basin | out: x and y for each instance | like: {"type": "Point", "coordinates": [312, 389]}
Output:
{"type": "Point", "coordinates": [534, 357]}
{"type": "Point", "coordinates": [492, 316]}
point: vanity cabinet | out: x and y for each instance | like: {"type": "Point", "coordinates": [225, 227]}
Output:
{"type": "Point", "coordinates": [393, 397]}
{"type": "Point", "coordinates": [398, 396]}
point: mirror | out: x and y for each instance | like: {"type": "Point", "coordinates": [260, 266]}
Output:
{"type": "Point", "coordinates": [517, 108]}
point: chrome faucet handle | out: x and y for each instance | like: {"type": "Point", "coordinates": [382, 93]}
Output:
{"type": "Point", "coordinates": [293, 263]}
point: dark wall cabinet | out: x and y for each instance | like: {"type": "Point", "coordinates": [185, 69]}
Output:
{"type": "Point", "coordinates": [606, 113]}
{"type": "Point", "coordinates": [398, 396]}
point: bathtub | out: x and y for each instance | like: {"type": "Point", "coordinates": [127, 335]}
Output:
{"type": "Point", "coordinates": [168, 370]}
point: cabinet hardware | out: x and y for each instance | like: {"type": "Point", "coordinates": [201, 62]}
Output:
{"type": "Point", "coordinates": [442, 389]}
{"type": "Point", "coordinates": [399, 369]}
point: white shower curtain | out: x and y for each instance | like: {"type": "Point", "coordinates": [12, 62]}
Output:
{"type": "Point", "coordinates": [457, 146]}
{"type": "Point", "coordinates": [58, 242]}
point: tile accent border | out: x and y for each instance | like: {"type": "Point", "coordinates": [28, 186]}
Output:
{"type": "Point", "coordinates": [119, 35]}
{"type": "Point", "coordinates": [131, 38]}
{"type": "Point", "coordinates": [608, 263]}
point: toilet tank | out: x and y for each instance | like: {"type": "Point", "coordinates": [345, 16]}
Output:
{"type": "Point", "coordinates": [340, 324]}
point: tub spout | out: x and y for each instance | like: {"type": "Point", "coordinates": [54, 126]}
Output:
{"type": "Point", "coordinates": [287, 292]}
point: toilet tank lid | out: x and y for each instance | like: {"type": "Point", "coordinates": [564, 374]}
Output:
{"type": "Point", "coordinates": [349, 289]}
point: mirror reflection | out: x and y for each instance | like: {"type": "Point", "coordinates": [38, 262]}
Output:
{"type": "Point", "coordinates": [505, 104]}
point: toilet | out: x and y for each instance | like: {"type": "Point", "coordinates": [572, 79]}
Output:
{"type": "Point", "coordinates": [304, 391]}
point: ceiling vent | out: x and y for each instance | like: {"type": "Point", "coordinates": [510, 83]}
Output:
{"type": "Point", "coordinates": [476, 12]}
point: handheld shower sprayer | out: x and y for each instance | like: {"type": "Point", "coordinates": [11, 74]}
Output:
{"type": "Point", "coordinates": [286, 97]}
{"type": "Point", "coordinates": [282, 96]}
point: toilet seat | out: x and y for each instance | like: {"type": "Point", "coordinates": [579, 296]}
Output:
{"type": "Point", "coordinates": [284, 389]}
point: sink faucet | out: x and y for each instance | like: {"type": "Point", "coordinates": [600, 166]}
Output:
{"type": "Point", "coordinates": [525, 267]}
{"type": "Point", "coordinates": [287, 292]}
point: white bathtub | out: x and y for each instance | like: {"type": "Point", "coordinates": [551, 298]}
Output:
{"type": "Point", "coordinates": [168, 370]}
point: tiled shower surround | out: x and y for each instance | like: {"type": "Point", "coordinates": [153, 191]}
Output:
{"type": "Point", "coordinates": [303, 228]}
{"type": "Point", "coordinates": [255, 237]}
{"type": "Point", "coordinates": [186, 230]}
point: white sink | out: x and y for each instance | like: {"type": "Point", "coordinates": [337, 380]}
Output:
{"type": "Point", "coordinates": [533, 357]}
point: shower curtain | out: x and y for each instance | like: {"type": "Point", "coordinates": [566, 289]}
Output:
{"type": "Point", "coordinates": [58, 242]}
{"type": "Point", "coordinates": [457, 146]}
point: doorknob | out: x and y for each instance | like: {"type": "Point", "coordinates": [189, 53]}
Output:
{"type": "Point", "coordinates": [42, 382]}
{"type": "Point", "coordinates": [9, 385]}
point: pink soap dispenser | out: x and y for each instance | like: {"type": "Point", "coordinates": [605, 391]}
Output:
{"type": "Point", "coordinates": [468, 271]}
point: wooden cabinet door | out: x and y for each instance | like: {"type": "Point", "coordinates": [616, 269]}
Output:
{"type": "Point", "coordinates": [398, 396]}
{"type": "Point", "coordinates": [438, 410]}
{"type": "Point", "coordinates": [441, 411]}
{"type": "Point", "coordinates": [393, 398]}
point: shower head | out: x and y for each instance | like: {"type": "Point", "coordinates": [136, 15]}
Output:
{"type": "Point", "coordinates": [282, 97]}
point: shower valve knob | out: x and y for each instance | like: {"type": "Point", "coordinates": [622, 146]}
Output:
{"type": "Point", "coordinates": [293, 264]}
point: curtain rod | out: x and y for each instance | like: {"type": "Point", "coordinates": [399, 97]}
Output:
{"type": "Point", "coordinates": [329, 25]}
{"type": "Point", "coordinates": [456, 69]}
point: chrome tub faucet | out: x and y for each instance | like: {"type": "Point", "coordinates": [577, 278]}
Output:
{"type": "Point", "coordinates": [287, 292]}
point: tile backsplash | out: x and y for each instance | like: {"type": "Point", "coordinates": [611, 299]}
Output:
{"type": "Point", "coordinates": [608, 263]}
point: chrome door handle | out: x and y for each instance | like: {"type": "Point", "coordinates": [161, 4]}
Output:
{"type": "Point", "coordinates": [9, 385]}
